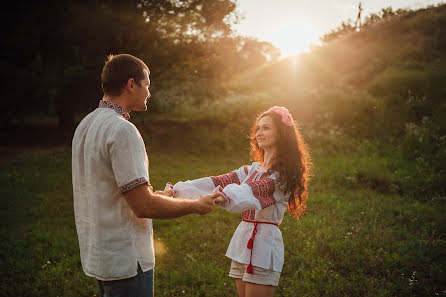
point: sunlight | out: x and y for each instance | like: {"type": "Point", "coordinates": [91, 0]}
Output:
{"type": "Point", "coordinates": [160, 248]}
{"type": "Point", "coordinates": [293, 37]}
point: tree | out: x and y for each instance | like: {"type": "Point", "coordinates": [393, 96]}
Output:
{"type": "Point", "coordinates": [58, 49]}
{"type": "Point", "coordinates": [344, 29]}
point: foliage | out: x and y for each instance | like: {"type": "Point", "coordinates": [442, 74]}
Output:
{"type": "Point", "coordinates": [425, 143]}
{"type": "Point", "coordinates": [185, 21]}
{"type": "Point", "coordinates": [349, 27]}
{"type": "Point", "coordinates": [60, 58]}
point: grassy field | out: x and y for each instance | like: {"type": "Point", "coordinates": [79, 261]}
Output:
{"type": "Point", "coordinates": [362, 235]}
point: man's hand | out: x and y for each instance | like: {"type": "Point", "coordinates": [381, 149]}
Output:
{"type": "Point", "coordinates": [168, 190]}
{"type": "Point", "coordinates": [205, 204]}
{"type": "Point", "coordinates": [165, 193]}
{"type": "Point", "coordinates": [220, 200]}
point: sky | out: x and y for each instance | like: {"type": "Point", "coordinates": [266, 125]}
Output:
{"type": "Point", "coordinates": [276, 21]}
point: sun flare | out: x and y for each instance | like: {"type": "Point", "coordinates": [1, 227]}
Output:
{"type": "Point", "coordinates": [293, 37]}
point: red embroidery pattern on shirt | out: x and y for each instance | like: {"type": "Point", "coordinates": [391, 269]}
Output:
{"type": "Point", "coordinates": [256, 175]}
{"type": "Point", "coordinates": [246, 169]}
{"type": "Point", "coordinates": [245, 214]}
{"type": "Point", "coordinates": [115, 107]}
{"type": "Point", "coordinates": [252, 214]}
{"type": "Point", "coordinates": [249, 214]}
{"type": "Point", "coordinates": [225, 179]}
{"type": "Point", "coordinates": [263, 188]}
{"type": "Point", "coordinates": [127, 187]}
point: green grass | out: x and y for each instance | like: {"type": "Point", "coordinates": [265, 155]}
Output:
{"type": "Point", "coordinates": [362, 235]}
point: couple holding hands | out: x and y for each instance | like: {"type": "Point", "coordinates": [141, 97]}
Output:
{"type": "Point", "coordinates": [114, 202]}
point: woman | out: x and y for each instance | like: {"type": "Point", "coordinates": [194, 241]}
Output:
{"type": "Point", "coordinates": [262, 191]}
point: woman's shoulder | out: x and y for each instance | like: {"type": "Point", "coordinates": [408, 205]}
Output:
{"type": "Point", "coordinates": [260, 174]}
{"type": "Point", "coordinates": [252, 168]}
{"type": "Point", "coordinates": [255, 165]}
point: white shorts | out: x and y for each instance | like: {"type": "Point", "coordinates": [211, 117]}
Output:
{"type": "Point", "coordinates": [261, 276]}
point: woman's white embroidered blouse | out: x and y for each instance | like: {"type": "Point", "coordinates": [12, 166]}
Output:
{"type": "Point", "coordinates": [258, 197]}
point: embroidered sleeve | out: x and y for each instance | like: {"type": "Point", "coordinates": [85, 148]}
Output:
{"type": "Point", "coordinates": [236, 176]}
{"type": "Point", "coordinates": [133, 184]}
{"type": "Point", "coordinates": [220, 189]}
{"type": "Point", "coordinates": [192, 189]}
{"type": "Point", "coordinates": [128, 157]}
{"type": "Point", "coordinates": [225, 179]}
{"type": "Point", "coordinates": [263, 190]}
{"type": "Point", "coordinates": [258, 192]}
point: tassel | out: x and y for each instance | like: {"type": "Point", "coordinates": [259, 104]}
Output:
{"type": "Point", "coordinates": [250, 243]}
{"type": "Point", "coordinates": [249, 269]}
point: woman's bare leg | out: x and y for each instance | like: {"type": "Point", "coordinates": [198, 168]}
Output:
{"type": "Point", "coordinates": [255, 290]}
{"type": "Point", "coordinates": [240, 287]}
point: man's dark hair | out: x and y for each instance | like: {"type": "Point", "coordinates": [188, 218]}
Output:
{"type": "Point", "coordinates": [118, 70]}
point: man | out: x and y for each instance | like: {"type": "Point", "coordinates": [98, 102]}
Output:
{"type": "Point", "coordinates": [113, 200]}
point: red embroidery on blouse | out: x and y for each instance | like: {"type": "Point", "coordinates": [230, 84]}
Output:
{"type": "Point", "coordinates": [225, 179]}
{"type": "Point", "coordinates": [256, 175]}
{"type": "Point", "coordinates": [246, 169]}
{"type": "Point", "coordinates": [252, 214]}
{"type": "Point", "coordinates": [249, 214]}
{"type": "Point", "coordinates": [262, 187]}
{"type": "Point", "coordinates": [115, 107]}
{"type": "Point", "coordinates": [245, 214]}
{"type": "Point", "coordinates": [133, 184]}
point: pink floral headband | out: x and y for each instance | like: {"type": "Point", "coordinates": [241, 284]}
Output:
{"type": "Point", "coordinates": [287, 118]}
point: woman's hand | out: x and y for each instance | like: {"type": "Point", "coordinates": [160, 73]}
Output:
{"type": "Point", "coordinates": [220, 200]}
{"type": "Point", "coordinates": [168, 190]}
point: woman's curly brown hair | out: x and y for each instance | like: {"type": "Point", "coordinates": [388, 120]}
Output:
{"type": "Point", "coordinates": [292, 162]}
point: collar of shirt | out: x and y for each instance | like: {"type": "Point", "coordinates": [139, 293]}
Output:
{"type": "Point", "coordinates": [115, 107]}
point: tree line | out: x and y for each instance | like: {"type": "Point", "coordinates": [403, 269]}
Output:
{"type": "Point", "coordinates": [55, 50]}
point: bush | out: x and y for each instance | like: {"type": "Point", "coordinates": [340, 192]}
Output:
{"type": "Point", "coordinates": [425, 143]}
{"type": "Point", "coordinates": [174, 96]}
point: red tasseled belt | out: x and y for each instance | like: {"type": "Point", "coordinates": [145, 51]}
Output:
{"type": "Point", "coordinates": [250, 244]}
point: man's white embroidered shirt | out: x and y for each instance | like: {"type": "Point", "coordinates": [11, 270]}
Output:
{"type": "Point", "coordinates": [108, 159]}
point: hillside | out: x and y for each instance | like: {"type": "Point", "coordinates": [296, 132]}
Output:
{"type": "Point", "coordinates": [386, 82]}
{"type": "Point", "coordinates": [413, 43]}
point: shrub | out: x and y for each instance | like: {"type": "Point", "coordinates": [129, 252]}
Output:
{"type": "Point", "coordinates": [425, 143]}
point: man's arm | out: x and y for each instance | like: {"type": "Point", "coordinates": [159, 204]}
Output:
{"type": "Point", "coordinates": [146, 204]}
